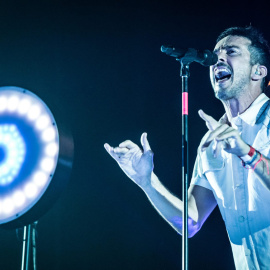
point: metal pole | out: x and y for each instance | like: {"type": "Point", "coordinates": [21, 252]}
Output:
{"type": "Point", "coordinates": [34, 246]}
{"type": "Point", "coordinates": [185, 177]}
{"type": "Point", "coordinates": [26, 247]}
{"type": "Point", "coordinates": [29, 244]}
{"type": "Point", "coordinates": [185, 57]}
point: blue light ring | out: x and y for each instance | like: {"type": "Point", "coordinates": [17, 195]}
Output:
{"type": "Point", "coordinates": [21, 211]}
{"type": "Point", "coordinates": [33, 152]}
{"type": "Point", "coordinates": [30, 202]}
{"type": "Point", "coordinates": [60, 178]}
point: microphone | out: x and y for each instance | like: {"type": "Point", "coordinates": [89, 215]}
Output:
{"type": "Point", "coordinates": [205, 57]}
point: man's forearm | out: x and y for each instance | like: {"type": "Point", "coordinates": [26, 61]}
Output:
{"type": "Point", "coordinates": [169, 206]}
{"type": "Point", "coordinates": [138, 166]}
{"type": "Point", "coordinates": [261, 168]}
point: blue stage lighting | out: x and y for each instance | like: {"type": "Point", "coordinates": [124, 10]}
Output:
{"type": "Point", "coordinates": [31, 146]}
{"type": "Point", "coordinates": [12, 149]}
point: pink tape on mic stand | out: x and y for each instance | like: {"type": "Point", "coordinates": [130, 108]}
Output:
{"type": "Point", "coordinates": [185, 103]}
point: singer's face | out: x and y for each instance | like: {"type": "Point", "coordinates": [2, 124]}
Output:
{"type": "Point", "coordinates": [231, 76]}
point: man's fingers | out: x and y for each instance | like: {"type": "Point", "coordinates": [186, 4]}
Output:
{"type": "Point", "coordinates": [218, 132]}
{"type": "Point", "coordinates": [145, 143]}
{"type": "Point", "coordinates": [107, 147]}
{"type": "Point", "coordinates": [128, 144]}
{"type": "Point", "coordinates": [110, 149]}
{"type": "Point", "coordinates": [120, 150]}
{"type": "Point", "coordinates": [213, 135]}
{"type": "Point", "coordinates": [230, 133]}
{"type": "Point", "coordinates": [210, 121]}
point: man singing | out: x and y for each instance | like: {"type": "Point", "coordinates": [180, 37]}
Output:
{"type": "Point", "coordinates": [232, 165]}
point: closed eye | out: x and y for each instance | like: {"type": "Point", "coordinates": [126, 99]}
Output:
{"type": "Point", "coordinates": [232, 51]}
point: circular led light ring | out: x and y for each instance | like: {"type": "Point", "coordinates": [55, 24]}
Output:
{"type": "Point", "coordinates": [32, 112]}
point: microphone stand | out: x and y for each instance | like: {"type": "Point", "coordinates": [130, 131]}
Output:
{"type": "Point", "coordinates": [184, 74]}
{"type": "Point", "coordinates": [186, 57]}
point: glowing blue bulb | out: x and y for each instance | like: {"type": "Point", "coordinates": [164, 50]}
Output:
{"type": "Point", "coordinates": [12, 153]}
{"type": "Point", "coordinates": [2, 153]}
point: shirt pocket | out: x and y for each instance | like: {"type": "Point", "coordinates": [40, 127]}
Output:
{"type": "Point", "coordinates": [214, 171]}
{"type": "Point", "coordinates": [211, 163]}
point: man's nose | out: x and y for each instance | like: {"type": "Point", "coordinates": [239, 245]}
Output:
{"type": "Point", "coordinates": [222, 56]}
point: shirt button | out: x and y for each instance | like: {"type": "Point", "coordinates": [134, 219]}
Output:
{"type": "Point", "coordinates": [241, 219]}
{"type": "Point", "coordinates": [247, 252]}
{"type": "Point", "coordinates": [237, 186]}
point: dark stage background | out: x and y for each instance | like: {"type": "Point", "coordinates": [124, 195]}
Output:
{"type": "Point", "coordinates": [100, 61]}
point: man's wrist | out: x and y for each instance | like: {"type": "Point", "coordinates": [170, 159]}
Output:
{"type": "Point", "coordinates": [144, 181]}
{"type": "Point", "coordinates": [250, 157]}
{"type": "Point", "coordinates": [248, 154]}
{"type": "Point", "coordinates": [150, 183]}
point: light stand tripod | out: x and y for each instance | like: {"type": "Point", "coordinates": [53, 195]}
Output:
{"type": "Point", "coordinates": [29, 244]}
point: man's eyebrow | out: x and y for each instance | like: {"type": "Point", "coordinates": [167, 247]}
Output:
{"type": "Point", "coordinates": [226, 47]}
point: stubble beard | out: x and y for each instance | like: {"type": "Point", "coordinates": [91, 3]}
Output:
{"type": "Point", "coordinates": [234, 91]}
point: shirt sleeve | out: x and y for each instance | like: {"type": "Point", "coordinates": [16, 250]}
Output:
{"type": "Point", "coordinates": [198, 178]}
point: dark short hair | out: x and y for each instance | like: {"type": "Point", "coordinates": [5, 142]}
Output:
{"type": "Point", "coordinates": [259, 48]}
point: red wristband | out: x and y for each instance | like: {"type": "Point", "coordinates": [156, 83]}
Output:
{"type": "Point", "coordinates": [251, 151]}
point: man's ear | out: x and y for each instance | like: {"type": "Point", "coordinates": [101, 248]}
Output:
{"type": "Point", "coordinates": [258, 72]}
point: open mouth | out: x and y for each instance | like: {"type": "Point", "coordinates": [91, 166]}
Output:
{"type": "Point", "coordinates": [222, 74]}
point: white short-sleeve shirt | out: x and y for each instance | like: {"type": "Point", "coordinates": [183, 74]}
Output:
{"type": "Point", "coordinates": [244, 202]}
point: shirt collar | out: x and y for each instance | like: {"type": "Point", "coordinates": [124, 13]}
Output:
{"type": "Point", "coordinates": [253, 113]}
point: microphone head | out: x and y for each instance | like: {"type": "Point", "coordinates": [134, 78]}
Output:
{"type": "Point", "coordinates": [166, 48]}
{"type": "Point", "coordinates": [210, 58]}
{"type": "Point", "coordinates": [171, 51]}
{"type": "Point", "coordinates": [163, 48]}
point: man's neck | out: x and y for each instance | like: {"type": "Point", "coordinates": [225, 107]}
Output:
{"type": "Point", "coordinates": [236, 106]}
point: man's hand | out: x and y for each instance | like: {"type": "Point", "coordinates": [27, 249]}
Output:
{"type": "Point", "coordinates": [224, 136]}
{"type": "Point", "coordinates": [136, 164]}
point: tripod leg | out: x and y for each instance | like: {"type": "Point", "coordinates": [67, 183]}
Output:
{"type": "Point", "coordinates": [26, 247]}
